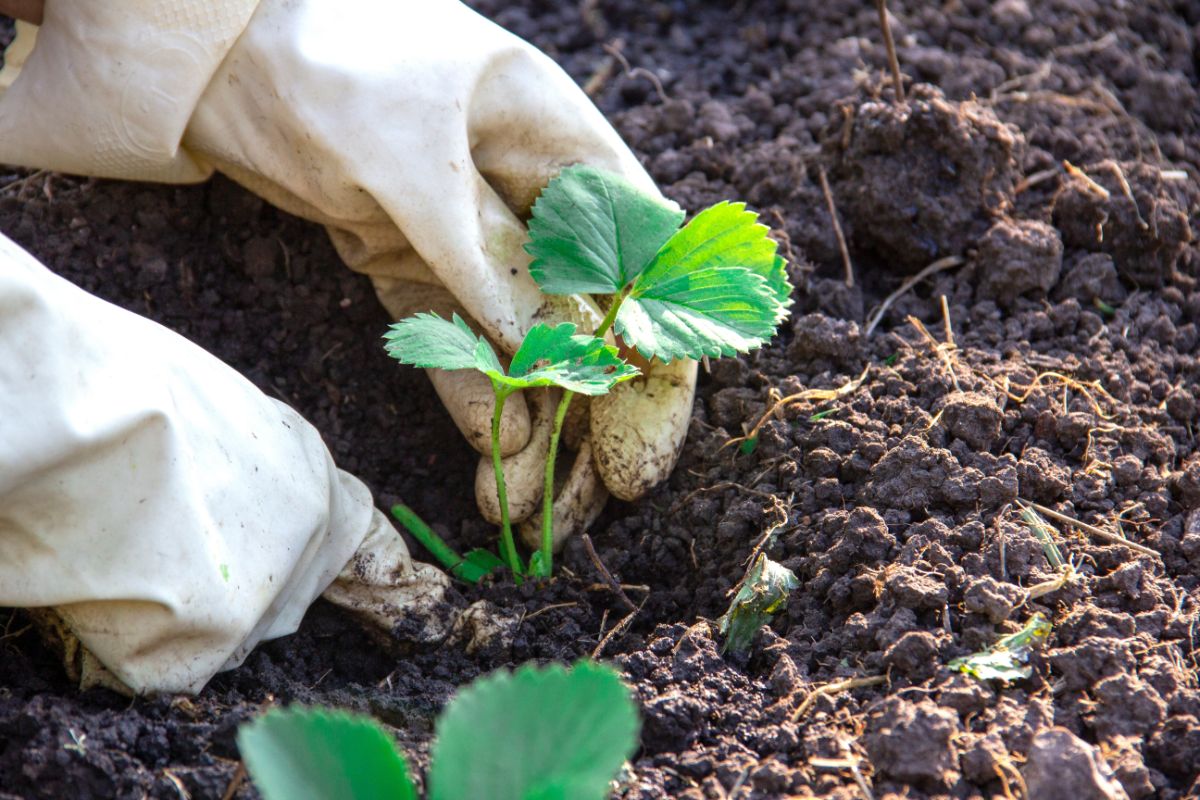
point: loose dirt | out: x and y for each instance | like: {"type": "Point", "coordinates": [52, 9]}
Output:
{"type": "Point", "coordinates": [1057, 364]}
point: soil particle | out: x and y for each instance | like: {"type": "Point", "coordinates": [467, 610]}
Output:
{"type": "Point", "coordinates": [816, 336]}
{"type": "Point", "coordinates": [1125, 210]}
{"type": "Point", "coordinates": [1061, 766]}
{"type": "Point", "coordinates": [1024, 256]}
{"type": "Point", "coordinates": [957, 162]}
{"type": "Point", "coordinates": [1090, 277]}
{"type": "Point", "coordinates": [1175, 748]}
{"type": "Point", "coordinates": [1124, 755]}
{"type": "Point", "coordinates": [1128, 706]}
{"type": "Point", "coordinates": [973, 417]}
{"type": "Point", "coordinates": [1041, 479]}
{"type": "Point", "coordinates": [911, 742]}
{"type": "Point", "coordinates": [994, 599]}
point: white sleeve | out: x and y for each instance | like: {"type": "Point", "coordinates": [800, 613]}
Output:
{"type": "Point", "coordinates": [172, 513]}
{"type": "Point", "coordinates": [110, 87]}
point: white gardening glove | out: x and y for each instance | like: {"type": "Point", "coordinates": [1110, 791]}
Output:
{"type": "Point", "coordinates": [417, 132]}
{"type": "Point", "coordinates": [171, 513]}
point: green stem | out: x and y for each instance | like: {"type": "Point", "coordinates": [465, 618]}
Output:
{"type": "Point", "coordinates": [435, 544]}
{"type": "Point", "coordinates": [560, 414]}
{"type": "Point", "coordinates": [506, 535]}
{"type": "Point", "coordinates": [548, 493]}
{"type": "Point", "coordinates": [611, 316]}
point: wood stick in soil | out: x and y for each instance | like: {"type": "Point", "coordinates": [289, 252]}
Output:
{"type": "Point", "coordinates": [937, 266]}
{"type": "Point", "coordinates": [618, 630]}
{"type": "Point", "coordinates": [837, 228]}
{"type": "Point", "coordinates": [833, 688]}
{"type": "Point", "coordinates": [1094, 531]}
{"type": "Point", "coordinates": [890, 44]}
{"type": "Point", "coordinates": [612, 582]}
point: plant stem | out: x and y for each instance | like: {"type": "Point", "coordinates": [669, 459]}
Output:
{"type": "Point", "coordinates": [611, 316]}
{"type": "Point", "coordinates": [506, 535]}
{"type": "Point", "coordinates": [560, 414]}
{"type": "Point", "coordinates": [435, 544]}
{"type": "Point", "coordinates": [890, 45]}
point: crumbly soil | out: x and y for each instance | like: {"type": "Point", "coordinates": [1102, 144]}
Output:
{"type": "Point", "coordinates": [1061, 368]}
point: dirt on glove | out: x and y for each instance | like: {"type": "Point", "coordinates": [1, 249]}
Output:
{"type": "Point", "coordinates": [1054, 149]}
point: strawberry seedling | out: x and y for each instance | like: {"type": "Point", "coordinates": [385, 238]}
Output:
{"type": "Point", "coordinates": [713, 287]}
{"type": "Point", "coordinates": [548, 356]}
{"type": "Point", "coordinates": [509, 736]}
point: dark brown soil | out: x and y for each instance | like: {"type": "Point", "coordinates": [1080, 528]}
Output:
{"type": "Point", "coordinates": [896, 510]}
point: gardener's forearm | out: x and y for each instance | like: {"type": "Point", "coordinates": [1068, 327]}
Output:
{"type": "Point", "coordinates": [28, 10]}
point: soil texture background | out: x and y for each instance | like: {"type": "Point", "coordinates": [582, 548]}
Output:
{"type": "Point", "coordinates": [1045, 161]}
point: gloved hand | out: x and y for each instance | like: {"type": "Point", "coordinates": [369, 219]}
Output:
{"type": "Point", "coordinates": [419, 133]}
{"type": "Point", "coordinates": [170, 513]}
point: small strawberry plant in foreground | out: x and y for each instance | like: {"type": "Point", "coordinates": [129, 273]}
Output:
{"type": "Point", "coordinates": [713, 287]}
{"type": "Point", "coordinates": [534, 733]}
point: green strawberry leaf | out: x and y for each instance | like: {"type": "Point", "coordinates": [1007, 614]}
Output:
{"type": "Point", "coordinates": [717, 287]}
{"type": "Point", "coordinates": [763, 592]}
{"type": "Point", "coordinates": [477, 564]}
{"type": "Point", "coordinates": [314, 754]}
{"type": "Point", "coordinates": [537, 565]}
{"type": "Point", "coordinates": [548, 356]}
{"type": "Point", "coordinates": [558, 357]}
{"type": "Point", "coordinates": [594, 232]}
{"type": "Point", "coordinates": [535, 733]}
{"type": "Point", "coordinates": [714, 311]}
{"type": "Point", "coordinates": [724, 235]}
{"type": "Point", "coordinates": [427, 340]}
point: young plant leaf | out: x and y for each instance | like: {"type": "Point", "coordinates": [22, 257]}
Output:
{"type": "Point", "coordinates": [592, 232]}
{"type": "Point", "coordinates": [713, 311]}
{"type": "Point", "coordinates": [427, 340]}
{"type": "Point", "coordinates": [535, 733]}
{"type": "Point", "coordinates": [1007, 659]}
{"type": "Point", "coordinates": [724, 235]}
{"type": "Point", "coordinates": [322, 755]}
{"type": "Point", "coordinates": [477, 564]}
{"type": "Point", "coordinates": [558, 357]}
{"type": "Point", "coordinates": [764, 591]}
{"type": "Point", "coordinates": [548, 356]}
{"type": "Point", "coordinates": [717, 287]}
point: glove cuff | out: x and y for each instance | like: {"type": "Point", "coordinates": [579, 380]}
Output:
{"type": "Point", "coordinates": [109, 87]}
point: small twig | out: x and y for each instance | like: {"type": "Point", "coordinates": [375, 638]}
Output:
{"type": "Point", "coordinates": [605, 574]}
{"type": "Point", "coordinates": [1126, 190]}
{"type": "Point", "coordinates": [941, 350]}
{"type": "Point", "coordinates": [946, 322]}
{"type": "Point", "coordinates": [617, 630]}
{"type": "Point", "coordinates": [235, 782]}
{"type": "Point", "coordinates": [1041, 176]}
{"type": "Point", "coordinates": [823, 395]}
{"type": "Point", "coordinates": [1094, 531]}
{"type": "Point", "coordinates": [1076, 172]}
{"type": "Point", "coordinates": [834, 688]}
{"type": "Point", "coordinates": [893, 62]}
{"type": "Point", "coordinates": [844, 763]}
{"type": "Point", "coordinates": [837, 228]}
{"type": "Point", "coordinates": [1085, 389]}
{"type": "Point", "coordinates": [717, 487]}
{"type": "Point", "coordinates": [614, 50]}
{"type": "Point", "coordinates": [21, 183]}
{"type": "Point", "coordinates": [937, 266]}
{"type": "Point", "coordinates": [629, 587]}
{"type": "Point", "coordinates": [178, 784]}
{"type": "Point", "coordinates": [550, 607]}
